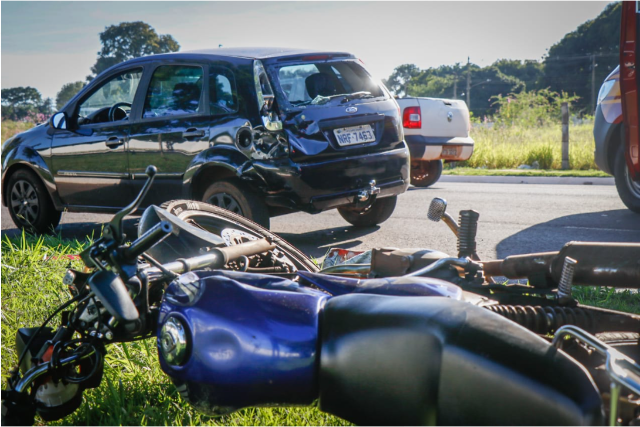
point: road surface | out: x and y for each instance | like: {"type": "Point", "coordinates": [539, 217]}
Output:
{"type": "Point", "coordinates": [514, 219]}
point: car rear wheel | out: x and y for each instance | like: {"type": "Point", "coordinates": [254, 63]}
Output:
{"type": "Point", "coordinates": [424, 174]}
{"type": "Point", "coordinates": [29, 203]}
{"type": "Point", "coordinates": [235, 196]}
{"type": "Point", "coordinates": [628, 189]}
{"type": "Point", "coordinates": [379, 211]}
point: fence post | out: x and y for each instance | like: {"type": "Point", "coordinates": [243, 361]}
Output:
{"type": "Point", "coordinates": [565, 135]}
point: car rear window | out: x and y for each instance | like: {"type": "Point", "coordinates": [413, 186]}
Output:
{"type": "Point", "coordinates": [315, 83]}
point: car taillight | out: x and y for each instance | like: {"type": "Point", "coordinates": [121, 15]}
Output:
{"type": "Point", "coordinates": [412, 118]}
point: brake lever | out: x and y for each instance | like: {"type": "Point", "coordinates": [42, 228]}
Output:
{"type": "Point", "coordinates": [114, 228]}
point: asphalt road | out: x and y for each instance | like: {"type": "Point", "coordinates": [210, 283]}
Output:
{"type": "Point", "coordinates": [514, 219]}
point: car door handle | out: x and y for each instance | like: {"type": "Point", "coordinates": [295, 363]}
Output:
{"type": "Point", "coordinates": [114, 142]}
{"type": "Point", "coordinates": [192, 133]}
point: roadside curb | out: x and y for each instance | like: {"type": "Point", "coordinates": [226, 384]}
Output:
{"type": "Point", "coordinates": [548, 180]}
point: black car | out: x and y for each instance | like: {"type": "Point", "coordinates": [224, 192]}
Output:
{"type": "Point", "coordinates": [259, 131]}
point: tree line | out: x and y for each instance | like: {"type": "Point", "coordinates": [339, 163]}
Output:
{"type": "Point", "coordinates": [576, 66]}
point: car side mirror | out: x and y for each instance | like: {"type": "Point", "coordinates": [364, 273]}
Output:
{"type": "Point", "coordinates": [58, 121]}
{"type": "Point", "coordinates": [269, 118]}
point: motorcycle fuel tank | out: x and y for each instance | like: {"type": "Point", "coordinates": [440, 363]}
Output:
{"type": "Point", "coordinates": [230, 340]}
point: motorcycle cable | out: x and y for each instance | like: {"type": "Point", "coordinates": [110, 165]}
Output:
{"type": "Point", "coordinates": [160, 267]}
{"type": "Point", "coordinates": [79, 299]}
{"type": "Point", "coordinates": [59, 346]}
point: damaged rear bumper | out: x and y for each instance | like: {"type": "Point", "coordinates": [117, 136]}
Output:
{"type": "Point", "coordinates": [319, 186]}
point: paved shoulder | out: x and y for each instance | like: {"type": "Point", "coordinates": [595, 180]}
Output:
{"type": "Point", "coordinates": [549, 180]}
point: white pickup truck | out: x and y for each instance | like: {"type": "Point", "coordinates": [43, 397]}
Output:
{"type": "Point", "coordinates": [435, 130]}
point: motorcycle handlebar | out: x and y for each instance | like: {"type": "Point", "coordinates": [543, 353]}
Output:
{"type": "Point", "coordinates": [154, 235]}
{"type": "Point", "coordinates": [216, 258]}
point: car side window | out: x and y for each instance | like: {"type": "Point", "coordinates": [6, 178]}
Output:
{"type": "Point", "coordinates": [223, 98]}
{"type": "Point", "coordinates": [118, 92]}
{"type": "Point", "coordinates": [174, 90]}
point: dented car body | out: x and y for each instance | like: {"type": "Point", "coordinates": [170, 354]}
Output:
{"type": "Point", "coordinates": [294, 130]}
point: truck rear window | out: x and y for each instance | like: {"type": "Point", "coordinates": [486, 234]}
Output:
{"type": "Point", "coordinates": [318, 83]}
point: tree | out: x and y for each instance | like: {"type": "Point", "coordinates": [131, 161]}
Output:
{"type": "Point", "coordinates": [67, 92]}
{"type": "Point", "coordinates": [129, 40]}
{"type": "Point", "coordinates": [19, 102]}
{"type": "Point", "coordinates": [569, 64]}
{"type": "Point", "coordinates": [398, 80]}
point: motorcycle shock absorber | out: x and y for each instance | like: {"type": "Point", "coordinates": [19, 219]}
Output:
{"type": "Point", "coordinates": [467, 229]}
{"type": "Point", "coordinates": [547, 319]}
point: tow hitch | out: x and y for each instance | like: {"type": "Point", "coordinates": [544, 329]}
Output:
{"type": "Point", "coordinates": [367, 196]}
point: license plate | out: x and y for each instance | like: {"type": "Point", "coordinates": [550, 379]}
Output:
{"type": "Point", "coordinates": [449, 151]}
{"type": "Point", "coordinates": [354, 135]}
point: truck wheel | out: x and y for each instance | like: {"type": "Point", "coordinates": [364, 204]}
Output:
{"type": "Point", "coordinates": [237, 197]}
{"type": "Point", "coordinates": [628, 189]}
{"type": "Point", "coordinates": [377, 213]}
{"type": "Point", "coordinates": [29, 203]}
{"type": "Point", "coordinates": [424, 174]}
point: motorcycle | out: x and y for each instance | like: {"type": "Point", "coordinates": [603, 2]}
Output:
{"type": "Point", "coordinates": [242, 318]}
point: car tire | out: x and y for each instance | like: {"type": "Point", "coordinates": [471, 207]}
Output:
{"type": "Point", "coordinates": [425, 174]}
{"type": "Point", "coordinates": [628, 190]}
{"type": "Point", "coordinates": [235, 196]}
{"type": "Point", "coordinates": [29, 203]}
{"type": "Point", "coordinates": [214, 219]}
{"type": "Point", "coordinates": [377, 213]}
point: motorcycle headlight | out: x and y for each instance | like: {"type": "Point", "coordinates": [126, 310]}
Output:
{"type": "Point", "coordinates": [605, 89]}
{"type": "Point", "coordinates": [174, 341]}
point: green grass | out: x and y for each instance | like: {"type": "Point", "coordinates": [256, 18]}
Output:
{"type": "Point", "coordinates": [134, 390]}
{"type": "Point", "coordinates": [10, 128]}
{"type": "Point", "coordinates": [510, 147]}
{"type": "Point", "coordinates": [466, 171]}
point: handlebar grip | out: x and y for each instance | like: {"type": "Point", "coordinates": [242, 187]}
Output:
{"type": "Point", "coordinates": [247, 249]}
{"type": "Point", "coordinates": [154, 235]}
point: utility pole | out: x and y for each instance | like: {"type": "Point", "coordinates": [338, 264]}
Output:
{"type": "Point", "coordinates": [468, 84]}
{"type": "Point", "coordinates": [593, 83]}
{"type": "Point", "coordinates": [455, 88]}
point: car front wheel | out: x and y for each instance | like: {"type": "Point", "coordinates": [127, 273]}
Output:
{"type": "Point", "coordinates": [29, 203]}
{"type": "Point", "coordinates": [377, 213]}
{"type": "Point", "coordinates": [628, 189]}
{"type": "Point", "coordinates": [235, 196]}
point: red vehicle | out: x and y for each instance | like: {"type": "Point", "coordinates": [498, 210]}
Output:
{"type": "Point", "coordinates": [630, 108]}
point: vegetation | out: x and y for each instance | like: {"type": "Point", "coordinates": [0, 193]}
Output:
{"type": "Point", "coordinates": [10, 128]}
{"type": "Point", "coordinates": [25, 104]}
{"type": "Point", "coordinates": [568, 67]}
{"type": "Point", "coordinates": [507, 147]}
{"type": "Point", "coordinates": [67, 92]}
{"type": "Point", "coordinates": [129, 40]}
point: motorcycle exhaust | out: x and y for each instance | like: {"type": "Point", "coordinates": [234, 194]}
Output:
{"type": "Point", "coordinates": [599, 264]}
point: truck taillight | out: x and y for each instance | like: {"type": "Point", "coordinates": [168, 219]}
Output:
{"type": "Point", "coordinates": [412, 118]}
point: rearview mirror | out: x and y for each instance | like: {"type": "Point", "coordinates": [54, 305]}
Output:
{"type": "Point", "coordinates": [58, 121]}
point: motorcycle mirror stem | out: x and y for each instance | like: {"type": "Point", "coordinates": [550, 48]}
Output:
{"type": "Point", "coordinates": [438, 211]}
{"type": "Point", "coordinates": [114, 229]}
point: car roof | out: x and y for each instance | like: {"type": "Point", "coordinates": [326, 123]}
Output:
{"type": "Point", "coordinates": [263, 53]}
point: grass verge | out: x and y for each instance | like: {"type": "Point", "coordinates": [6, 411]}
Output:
{"type": "Point", "coordinates": [466, 171]}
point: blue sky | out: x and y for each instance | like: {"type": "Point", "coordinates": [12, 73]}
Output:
{"type": "Point", "coordinates": [48, 44]}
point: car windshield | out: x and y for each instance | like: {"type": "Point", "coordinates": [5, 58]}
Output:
{"type": "Point", "coordinates": [325, 82]}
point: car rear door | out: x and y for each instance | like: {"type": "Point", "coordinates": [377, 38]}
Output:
{"type": "Point", "coordinates": [629, 85]}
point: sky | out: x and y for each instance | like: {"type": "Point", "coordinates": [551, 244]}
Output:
{"type": "Point", "coordinates": [48, 44]}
